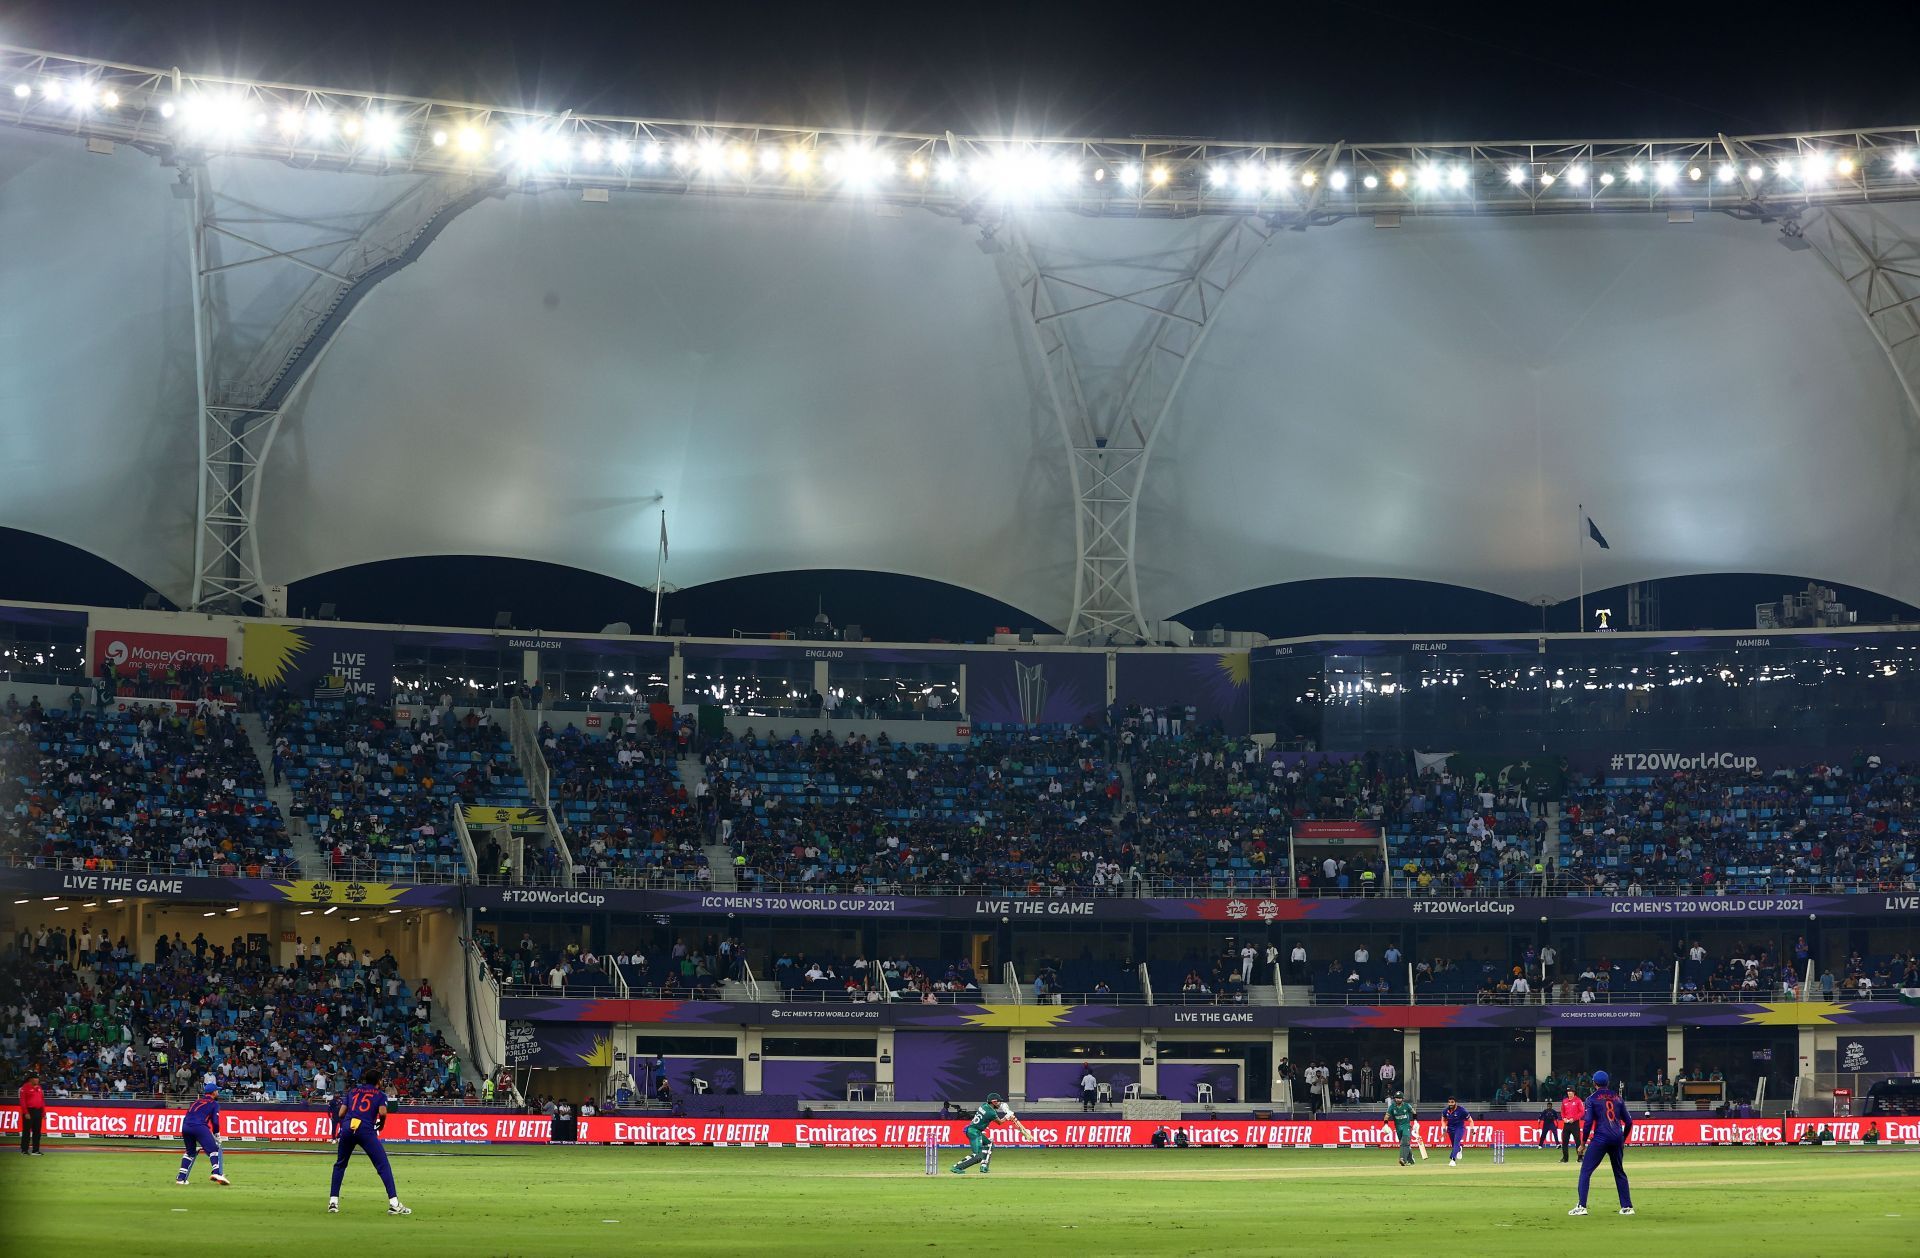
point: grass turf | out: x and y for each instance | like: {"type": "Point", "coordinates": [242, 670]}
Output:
{"type": "Point", "coordinates": [472, 1202]}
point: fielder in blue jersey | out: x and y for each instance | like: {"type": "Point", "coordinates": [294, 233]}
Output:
{"type": "Point", "coordinates": [201, 1130]}
{"type": "Point", "coordinates": [1605, 1129]}
{"type": "Point", "coordinates": [358, 1116]}
{"type": "Point", "coordinates": [1456, 1118]}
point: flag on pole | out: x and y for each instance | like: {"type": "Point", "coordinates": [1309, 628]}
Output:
{"type": "Point", "coordinates": [663, 535]}
{"type": "Point", "coordinates": [1593, 531]}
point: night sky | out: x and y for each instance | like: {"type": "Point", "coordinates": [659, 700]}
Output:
{"type": "Point", "coordinates": [1331, 71]}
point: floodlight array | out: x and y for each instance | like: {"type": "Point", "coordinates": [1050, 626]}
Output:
{"type": "Point", "coordinates": [205, 116]}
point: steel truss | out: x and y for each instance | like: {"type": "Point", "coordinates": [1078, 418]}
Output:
{"type": "Point", "coordinates": [242, 387]}
{"type": "Point", "coordinates": [161, 109]}
{"type": "Point", "coordinates": [1881, 270]}
{"type": "Point", "coordinates": [1109, 440]}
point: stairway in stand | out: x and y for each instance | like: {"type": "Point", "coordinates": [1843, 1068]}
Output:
{"type": "Point", "coordinates": [313, 861]}
{"type": "Point", "coordinates": [693, 775]}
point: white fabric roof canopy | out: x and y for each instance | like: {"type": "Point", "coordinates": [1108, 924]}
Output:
{"type": "Point", "coordinates": [813, 384]}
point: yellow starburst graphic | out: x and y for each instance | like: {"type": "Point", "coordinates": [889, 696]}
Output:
{"type": "Point", "coordinates": [1238, 667]}
{"type": "Point", "coordinates": [600, 1055]}
{"type": "Point", "coordinates": [1806, 1013]}
{"type": "Point", "coordinates": [267, 652]}
{"type": "Point", "coordinates": [347, 894]}
{"type": "Point", "coordinates": [1016, 1016]}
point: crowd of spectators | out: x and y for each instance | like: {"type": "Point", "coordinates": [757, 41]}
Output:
{"type": "Point", "coordinates": [1834, 827]}
{"type": "Point", "coordinates": [378, 793]}
{"type": "Point", "coordinates": [94, 1020]}
{"type": "Point", "coordinates": [142, 786]}
{"type": "Point", "coordinates": [1135, 804]}
{"type": "Point", "coordinates": [184, 683]}
{"type": "Point", "coordinates": [628, 816]}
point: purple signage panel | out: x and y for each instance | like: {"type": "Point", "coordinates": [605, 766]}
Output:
{"type": "Point", "coordinates": [813, 1079]}
{"type": "Point", "coordinates": [1216, 684]}
{"type": "Point", "coordinates": [957, 1066]}
{"type": "Point", "coordinates": [1036, 688]}
{"type": "Point", "coordinates": [1181, 1080]}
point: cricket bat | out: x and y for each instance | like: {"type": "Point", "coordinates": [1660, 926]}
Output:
{"type": "Point", "coordinates": [1420, 1140]}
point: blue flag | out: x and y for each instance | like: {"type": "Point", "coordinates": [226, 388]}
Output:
{"type": "Point", "coordinates": [1593, 531]}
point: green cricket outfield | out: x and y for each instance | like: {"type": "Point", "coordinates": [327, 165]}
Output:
{"type": "Point", "coordinates": [115, 1201]}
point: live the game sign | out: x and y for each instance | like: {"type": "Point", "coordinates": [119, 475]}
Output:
{"type": "Point", "coordinates": [493, 1127]}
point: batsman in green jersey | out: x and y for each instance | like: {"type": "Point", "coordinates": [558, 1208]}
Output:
{"type": "Point", "coordinates": [979, 1143]}
{"type": "Point", "coordinates": [1401, 1115]}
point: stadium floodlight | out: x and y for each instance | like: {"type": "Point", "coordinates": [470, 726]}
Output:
{"type": "Point", "coordinates": [468, 139]}
{"type": "Point", "coordinates": [289, 122]}
{"type": "Point", "coordinates": [1428, 178]}
{"type": "Point", "coordinates": [526, 145]}
{"type": "Point", "coordinates": [53, 89]}
{"type": "Point", "coordinates": [1458, 177]}
{"type": "Point", "coordinates": [1606, 179]}
{"type": "Point", "coordinates": [1843, 167]}
{"type": "Point", "coordinates": [1278, 176]}
{"type": "Point", "coordinates": [1694, 173]}
{"type": "Point", "coordinates": [21, 91]}
{"type": "Point", "coordinates": [1247, 176]}
{"type": "Point", "coordinates": [1129, 175]}
{"type": "Point", "coordinates": [166, 108]}
{"type": "Point", "coordinates": [1546, 179]}
{"type": "Point", "coordinates": [1099, 174]}
{"type": "Point", "coordinates": [737, 158]}
{"type": "Point", "coordinates": [1665, 174]}
{"type": "Point", "coordinates": [650, 152]}
{"type": "Point", "coordinates": [1397, 177]}
{"type": "Point", "coordinates": [1726, 172]}
{"type": "Point", "coordinates": [1370, 182]}
{"type": "Point", "coordinates": [619, 152]}
{"type": "Point", "coordinates": [1903, 161]}
{"type": "Point", "coordinates": [1516, 175]}
{"type": "Point", "coordinates": [439, 138]}
{"type": "Point", "coordinates": [1217, 176]}
{"type": "Point", "coordinates": [946, 170]}
{"type": "Point", "coordinates": [383, 131]}
{"type": "Point", "coordinates": [1635, 174]}
{"type": "Point", "coordinates": [319, 124]}
{"type": "Point", "coordinates": [110, 99]}
{"type": "Point", "coordinates": [770, 159]}
{"type": "Point", "coordinates": [350, 126]}
{"type": "Point", "coordinates": [591, 149]}
{"type": "Point", "coordinates": [1755, 173]}
{"type": "Point", "coordinates": [1337, 180]}
{"type": "Point", "coordinates": [864, 165]}
{"type": "Point", "coordinates": [711, 157]}
{"type": "Point", "coordinates": [1066, 172]}
{"type": "Point", "coordinates": [1160, 176]}
{"type": "Point", "coordinates": [1577, 175]}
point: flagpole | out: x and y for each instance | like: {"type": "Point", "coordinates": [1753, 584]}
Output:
{"type": "Point", "coordinates": [659, 570]}
{"type": "Point", "coordinates": [1580, 543]}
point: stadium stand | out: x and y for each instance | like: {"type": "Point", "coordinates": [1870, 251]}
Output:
{"type": "Point", "coordinates": [1835, 827]}
{"type": "Point", "coordinates": [148, 787]}
{"type": "Point", "coordinates": [98, 1021]}
{"type": "Point", "coordinates": [628, 816]}
{"type": "Point", "coordinates": [379, 794]}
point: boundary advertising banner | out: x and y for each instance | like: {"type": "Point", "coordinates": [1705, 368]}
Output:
{"type": "Point", "coordinates": [492, 1127]}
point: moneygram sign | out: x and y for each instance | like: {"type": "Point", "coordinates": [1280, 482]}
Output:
{"type": "Point", "coordinates": [129, 653]}
{"type": "Point", "coordinates": [494, 1127]}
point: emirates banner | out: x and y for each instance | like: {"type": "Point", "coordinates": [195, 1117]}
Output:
{"type": "Point", "coordinates": [492, 1127]}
